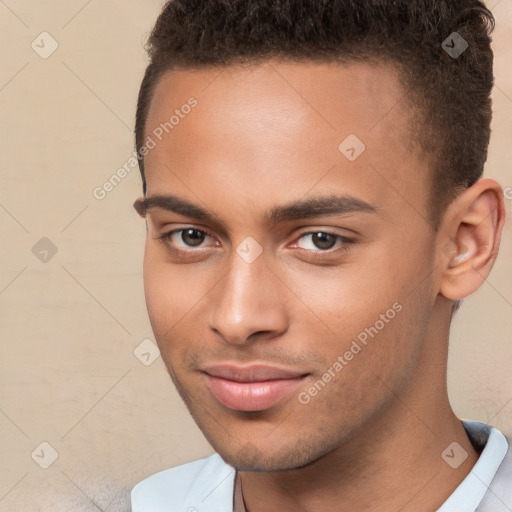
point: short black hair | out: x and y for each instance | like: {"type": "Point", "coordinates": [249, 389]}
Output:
{"type": "Point", "coordinates": [449, 95]}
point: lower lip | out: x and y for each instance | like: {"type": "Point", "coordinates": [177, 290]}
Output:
{"type": "Point", "coordinates": [251, 396]}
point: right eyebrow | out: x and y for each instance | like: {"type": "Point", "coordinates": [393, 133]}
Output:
{"type": "Point", "coordinates": [174, 204]}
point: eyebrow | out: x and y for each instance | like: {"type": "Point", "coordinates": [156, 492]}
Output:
{"type": "Point", "coordinates": [311, 207]}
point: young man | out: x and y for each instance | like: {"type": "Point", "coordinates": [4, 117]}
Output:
{"type": "Point", "coordinates": [315, 214]}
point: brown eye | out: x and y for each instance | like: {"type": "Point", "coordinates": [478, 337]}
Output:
{"type": "Point", "coordinates": [186, 239]}
{"type": "Point", "coordinates": [323, 240]}
{"type": "Point", "coordinates": [319, 240]}
{"type": "Point", "coordinates": [192, 237]}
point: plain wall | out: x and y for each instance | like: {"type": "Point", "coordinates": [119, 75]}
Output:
{"type": "Point", "coordinates": [69, 325]}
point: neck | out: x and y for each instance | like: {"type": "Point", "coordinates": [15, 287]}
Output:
{"type": "Point", "coordinates": [392, 463]}
{"type": "Point", "coordinates": [388, 467]}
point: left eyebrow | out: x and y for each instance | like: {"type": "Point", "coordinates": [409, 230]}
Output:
{"type": "Point", "coordinates": [333, 204]}
{"type": "Point", "coordinates": [311, 207]}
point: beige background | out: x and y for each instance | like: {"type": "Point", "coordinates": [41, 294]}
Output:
{"type": "Point", "coordinates": [70, 325]}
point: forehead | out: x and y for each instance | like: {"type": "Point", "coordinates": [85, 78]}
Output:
{"type": "Point", "coordinates": [280, 129]}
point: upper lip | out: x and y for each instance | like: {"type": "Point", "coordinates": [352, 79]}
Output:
{"type": "Point", "coordinates": [252, 373]}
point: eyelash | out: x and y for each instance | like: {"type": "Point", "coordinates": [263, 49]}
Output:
{"type": "Point", "coordinates": [346, 242]}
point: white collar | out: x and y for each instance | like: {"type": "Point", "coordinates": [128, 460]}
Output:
{"type": "Point", "coordinates": [469, 494]}
{"type": "Point", "coordinates": [208, 484]}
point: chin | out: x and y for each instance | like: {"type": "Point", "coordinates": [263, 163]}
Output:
{"type": "Point", "coordinates": [266, 443]}
{"type": "Point", "coordinates": [253, 461]}
{"type": "Point", "coordinates": [285, 457]}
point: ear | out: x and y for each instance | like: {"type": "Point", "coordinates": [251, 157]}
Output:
{"type": "Point", "coordinates": [470, 238]}
{"type": "Point", "coordinates": [140, 207]}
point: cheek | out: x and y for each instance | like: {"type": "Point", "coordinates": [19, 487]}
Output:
{"type": "Point", "coordinates": [369, 361]}
{"type": "Point", "coordinates": [367, 317]}
{"type": "Point", "coordinates": [171, 290]}
{"type": "Point", "coordinates": [166, 297]}
{"type": "Point", "coordinates": [345, 299]}
{"type": "Point", "coordinates": [174, 296]}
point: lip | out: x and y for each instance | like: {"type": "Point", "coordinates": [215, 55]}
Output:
{"type": "Point", "coordinates": [251, 388]}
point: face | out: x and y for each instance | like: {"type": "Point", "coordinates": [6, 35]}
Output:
{"type": "Point", "coordinates": [288, 261]}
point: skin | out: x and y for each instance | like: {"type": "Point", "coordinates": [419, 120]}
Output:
{"type": "Point", "coordinates": [267, 135]}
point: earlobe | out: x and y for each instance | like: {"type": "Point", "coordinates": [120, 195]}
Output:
{"type": "Point", "coordinates": [472, 229]}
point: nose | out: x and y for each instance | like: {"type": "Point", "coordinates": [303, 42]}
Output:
{"type": "Point", "coordinates": [249, 303]}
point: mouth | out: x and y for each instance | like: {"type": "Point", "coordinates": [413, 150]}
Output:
{"type": "Point", "coordinates": [251, 388]}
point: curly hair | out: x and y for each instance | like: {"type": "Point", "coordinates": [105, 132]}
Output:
{"type": "Point", "coordinates": [449, 96]}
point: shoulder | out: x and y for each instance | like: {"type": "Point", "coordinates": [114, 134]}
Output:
{"type": "Point", "coordinates": [204, 484]}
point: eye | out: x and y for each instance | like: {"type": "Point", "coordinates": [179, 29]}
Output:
{"type": "Point", "coordinates": [185, 238]}
{"type": "Point", "coordinates": [186, 241]}
{"type": "Point", "coordinates": [322, 241]}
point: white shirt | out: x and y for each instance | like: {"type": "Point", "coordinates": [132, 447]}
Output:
{"type": "Point", "coordinates": [207, 485]}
